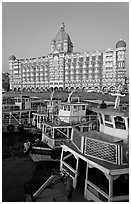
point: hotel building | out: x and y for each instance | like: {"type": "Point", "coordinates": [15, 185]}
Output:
{"type": "Point", "coordinates": [65, 69]}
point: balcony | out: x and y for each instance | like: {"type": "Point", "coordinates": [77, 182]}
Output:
{"type": "Point", "coordinates": [72, 72]}
{"type": "Point", "coordinates": [84, 71]}
{"type": "Point", "coordinates": [77, 71]}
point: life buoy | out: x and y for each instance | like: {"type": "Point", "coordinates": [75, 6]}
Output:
{"type": "Point", "coordinates": [57, 121]}
{"type": "Point", "coordinates": [10, 128]}
{"type": "Point", "coordinates": [20, 128]}
{"type": "Point", "coordinates": [83, 119]}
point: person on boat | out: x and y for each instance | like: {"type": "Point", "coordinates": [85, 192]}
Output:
{"type": "Point", "coordinates": [103, 105]}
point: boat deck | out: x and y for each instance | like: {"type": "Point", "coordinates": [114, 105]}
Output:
{"type": "Point", "coordinates": [57, 192]}
{"type": "Point", "coordinates": [62, 124]}
{"type": "Point", "coordinates": [109, 167]}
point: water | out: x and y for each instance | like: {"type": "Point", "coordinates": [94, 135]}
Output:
{"type": "Point", "coordinates": [18, 169]}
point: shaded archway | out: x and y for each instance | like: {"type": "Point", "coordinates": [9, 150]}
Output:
{"type": "Point", "coordinates": [41, 89]}
{"type": "Point", "coordinates": [112, 88]}
{"type": "Point", "coordinates": [19, 89]}
{"type": "Point", "coordinates": [50, 89]}
{"type": "Point", "coordinates": [104, 88]}
{"type": "Point", "coordinates": [32, 89]}
{"type": "Point", "coordinates": [56, 88]}
{"type": "Point", "coordinates": [60, 89]}
{"type": "Point", "coordinates": [15, 89]}
{"type": "Point", "coordinates": [66, 89]}
{"type": "Point", "coordinates": [24, 89]}
{"type": "Point", "coordinates": [37, 89]}
{"type": "Point", "coordinates": [28, 89]}
{"type": "Point", "coordinates": [72, 88]}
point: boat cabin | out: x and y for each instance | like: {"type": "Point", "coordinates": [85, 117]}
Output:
{"type": "Point", "coordinates": [52, 105]}
{"type": "Point", "coordinates": [73, 112]}
{"type": "Point", "coordinates": [114, 122]}
{"type": "Point", "coordinates": [45, 112]}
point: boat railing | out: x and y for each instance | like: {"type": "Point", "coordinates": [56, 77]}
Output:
{"type": "Point", "coordinates": [76, 119]}
{"type": "Point", "coordinates": [110, 152]}
{"type": "Point", "coordinates": [72, 120]}
{"type": "Point", "coordinates": [10, 119]}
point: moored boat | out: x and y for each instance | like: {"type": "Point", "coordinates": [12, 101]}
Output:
{"type": "Point", "coordinates": [98, 161]}
{"type": "Point", "coordinates": [57, 128]}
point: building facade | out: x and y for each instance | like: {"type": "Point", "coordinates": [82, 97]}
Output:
{"type": "Point", "coordinates": [65, 69]}
{"type": "Point", "coordinates": [5, 82]}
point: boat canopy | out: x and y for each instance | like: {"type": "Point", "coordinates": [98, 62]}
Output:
{"type": "Point", "coordinates": [112, 112]}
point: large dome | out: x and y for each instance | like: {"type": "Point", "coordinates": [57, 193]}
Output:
{"type": "Point", "coordinates": [62, 35]}
{"type": "Point", "coordinates": [62, 42]}
{"type": "Point", "coordinates": [12, 57]}
{"type": "Point", "coordinates": [120, 43]}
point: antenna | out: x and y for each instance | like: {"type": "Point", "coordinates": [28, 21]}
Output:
{"type": "Point", "coordinates": [117, 101]}
{"type": "Point", "coordinates": [69, 97]}
{"type": "Point", "coordinates": [51, 97]}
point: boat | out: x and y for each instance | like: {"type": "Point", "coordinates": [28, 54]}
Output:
{"type": "Point", "coordinates": [97, 161]}
{"type": "Point", "coordinates": [17, 116]}
{"type": "Point", "coordinates": [57, 128]}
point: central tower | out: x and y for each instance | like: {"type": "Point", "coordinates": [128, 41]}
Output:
{"type": "Point", "coordinates": [62, 42]}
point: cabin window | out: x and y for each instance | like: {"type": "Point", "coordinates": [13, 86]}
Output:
{"type": "Point", "coordinates": [75, 108]}
{"type": "Point", "coordinates": [70, 131]}
{"type": "Point", "coordinates": [48, 131]}
{"type": "Point", "coordinates": [19, 100]}
{"type": "Point", "coordinates": [41, 118]}
{"type": "Point", "coordinates": [107, 118]}
{"type": "Point", "coordinates": [65, 108]}
{"type": "Point", "coordinates": [99, 179]}
{"type": "Point", "coordinates": [83, 107]}
{"type": "Point", "coordinates": [85, 129]}
{"type": "Point", "coordinates": [120, 123]}
{"type": "Point", "coordinates": [109, 125]}
{"type": "Point", "coordinates": [101, 119]}
{"type": "Point", "coordinates": [59, 134]}
{"type": "Point", "coordinates": [68, 108]}
{"type": "Point", "coordinates": [38, 119]}
{"type": "Point", "coordinates": [69, 159]}
{"type": "Point", "coordinates": [128, 122]}
{"type": "Point", "coordinates": [121, 185]}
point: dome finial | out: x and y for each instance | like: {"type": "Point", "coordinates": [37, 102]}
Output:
{"type": "Point", "coordinates": [62, 26]}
